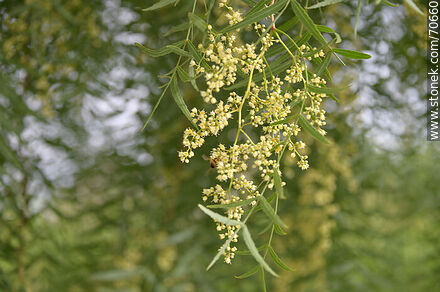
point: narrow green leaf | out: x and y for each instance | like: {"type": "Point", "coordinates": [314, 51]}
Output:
{"type": "Point", "coordinates": [414, 6]}
{"type": "Point", "coordinates": [166, 50]}
{"type": "Point", "coordinates": [327, 29]}
{"type": "Point", "coordinates": [182, 74]}
{"type": "Point", "coordinates": [269, 211]}
{"type": "Point", "coordinates": [278, 230]}
{"type": "Point", "coordinates": [194, 52]}
{"type": "Point", "coordinates": [249, 2]}
{"type": "Point", "coordinates": [248, 273]}
{"type": "Point", "coordinates": [275, 50]}
{"type": "Point", "coordinates": [231, 205]}
{"type": "Point", "coordinates": [309, 128]}
{"type": "Point", "coordinates": [221, 218]}
{"type": "Point", "coordinates": [351, 54]}
{"type": "Point", "coordinates": [278, 261]}
{"type": "Point", "coordinates": [324, 64]}
{"type": "Point", "coordinates": [324, 28]}
{"type": "Point", "coordinates": [304, 39]}
{"type": "Point", "coordinates": [257, 16]}
{"type": "Point", "coordinates": [288, 24]}
{"type": "Point", "coordinates": [159, 4]}
{"type": "Point", "coordinates": [253, 249]}
{"type": "Point", "coordinates": [388, 3]}
{"type": "Point", "coordinates": [198, 21]}
{"type": "Point", "coordinates": [324, 3]}
{"type": "Point", "coordinates": [178, 51]}
{"type": "Point", "coordinates": [177, 28]}
{"type": "Point", "coordinates": [196, 55]}
{"type": "Point", "coordinates": [323, 89]}
{"type": "Point", "coordinates": [192, 77]}
{"type": "Point", "coordinates": [305, 19]}
{"type": "Point", "coordinates": [278, 184]}
{"type": "Point", "coordinates": [333, 97]}
{"type": "Point", "coordinates": [269, 200]}
{"type": "Point", "coordinates": [178, 98]}
{"type": "Point", "coordinates": [153, 53]}
{"type": "Point", "coordinates": [267, 228]}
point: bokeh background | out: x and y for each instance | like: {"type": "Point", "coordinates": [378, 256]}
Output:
{"type": "Point", "coordinates": [88, 202]}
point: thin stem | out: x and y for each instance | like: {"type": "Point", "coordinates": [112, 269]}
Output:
{"type": "Point", "coordinates": [247, 136]}
{"type": "Point", "coordinates": [246, 95]}
{"type": "Point", "coordinates": [290, 39]}
{"type": "Point", "coordinates": [21, 236]}
{"type": "Point", "coordinates": [173, 73]}
{"type": "Point", "coordinates": [284, 45]}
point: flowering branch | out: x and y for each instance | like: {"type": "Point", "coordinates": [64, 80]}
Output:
{"type": "Point", "coordinates": [273, 89]}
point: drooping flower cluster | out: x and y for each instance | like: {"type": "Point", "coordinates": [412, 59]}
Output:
{"type": "Point", "coordinates": [225, 57]}
{"type": "Point", "coordinates": [218, 195]}
{"type": "Point", "coordinates": [209, 124]}
{"type": "Point", "coordinates": [267, 114]}
{"type": "Point", "coordinates": [232, 15]}
{"type": "Point", "coordinates": [315, 113]}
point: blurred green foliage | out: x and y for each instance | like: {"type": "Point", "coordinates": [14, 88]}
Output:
{"type": "Point", "coordinates": [90, 203]}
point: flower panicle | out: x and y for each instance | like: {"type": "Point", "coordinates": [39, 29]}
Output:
{"type": "Point", "coordinates": [266, 120]}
